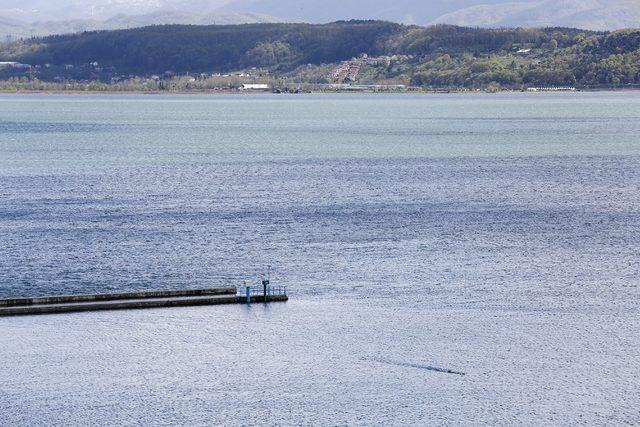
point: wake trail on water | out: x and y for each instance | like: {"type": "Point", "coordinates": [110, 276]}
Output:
{"type": "Point", "coordinates": [414, 365]}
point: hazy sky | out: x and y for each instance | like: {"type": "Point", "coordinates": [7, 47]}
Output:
{"type": "Point", "coordinates": [31, 10]}
{"type": "Point", "coordinates": [86, 9]}
{"type": "Point", "coordinates": [593, 14]}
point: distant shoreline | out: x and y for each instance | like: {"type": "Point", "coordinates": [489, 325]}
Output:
{"type": "Point", "coordinates": [243, 93]}
{"type": "Point", "coordinates": [347, 56]}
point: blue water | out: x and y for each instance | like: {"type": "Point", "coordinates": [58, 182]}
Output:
{"type": "Point", "coordinates": [492, 235]}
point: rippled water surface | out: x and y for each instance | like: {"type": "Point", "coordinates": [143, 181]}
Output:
{"type": "Point", "coordinates": [422, 238]}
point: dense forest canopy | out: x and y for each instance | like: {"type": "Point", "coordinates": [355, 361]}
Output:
{"type": "Point", "coordinates": [436, 56]}
{"type": "Point", "coordinates": [183, 48]}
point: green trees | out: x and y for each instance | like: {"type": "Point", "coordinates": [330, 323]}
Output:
{"type": "Point", "coordinates": [184, 48]}
{"type": "Point", "coordinates": [271, 55]}
{"type": "Point", "coordinates": [616, 69]}
{"type": "Point", "coordinates": [437, 56]}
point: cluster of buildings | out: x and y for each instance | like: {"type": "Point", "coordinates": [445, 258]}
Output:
{"type": "Point", "coordinates": [385, 60]}
{"type": "Point", "coordinates": [349, 71]}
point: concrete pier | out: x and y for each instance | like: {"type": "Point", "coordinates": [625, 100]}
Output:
{"type": "Point", "coordinates": [128, 301]}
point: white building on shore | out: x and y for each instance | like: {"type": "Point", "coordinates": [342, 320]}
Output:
{"type": "Point", "coordinates": [10, 64]}
{"type": "Point", "coordinates": [255, 86]}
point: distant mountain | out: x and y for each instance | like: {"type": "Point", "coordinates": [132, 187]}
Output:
{"type": "Point", "coordinates": [404, 11]}
{"type": "Point", "coordinates": [10, 26]}
{"type": "Point", "coordinates": [47, 16]}
{"type": "Point", "coordinates": [220, 17]}
{"type": "Point", "coordinates": [18, 29]}
{"type": "Point", "coordinates": [100, 10]}
{"type": "Point", "coordinates": [591, 14]}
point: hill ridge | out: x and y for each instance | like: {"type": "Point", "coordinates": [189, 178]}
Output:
{"type": "Point", "coordinates": [347, 51]}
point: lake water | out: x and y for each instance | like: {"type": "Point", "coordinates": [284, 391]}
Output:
{"type": "Point", "coordinates": [492, 235]}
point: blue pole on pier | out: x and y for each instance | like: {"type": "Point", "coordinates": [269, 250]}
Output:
{"type": "Point", "coordinates": [248, 295]}
{"type": "Point", "coordinates": [265, 284]}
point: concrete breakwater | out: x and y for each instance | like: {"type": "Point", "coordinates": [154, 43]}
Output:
{"type": "Point", "coordinates": [132, 300]}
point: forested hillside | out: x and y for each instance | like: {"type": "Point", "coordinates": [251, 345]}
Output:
{"type": "Point", "coordinates": [183, 48]}
{"type": "Point", "coordinates": [437, 56]}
